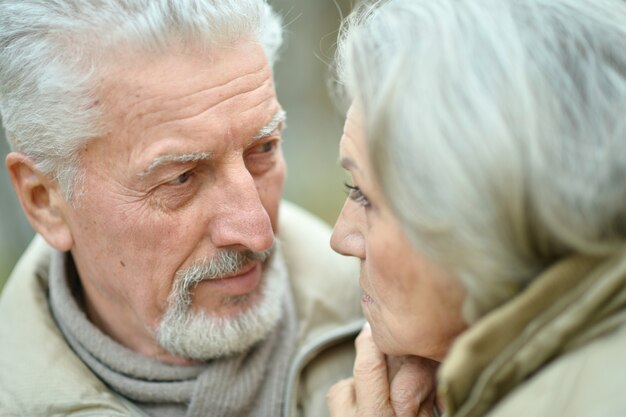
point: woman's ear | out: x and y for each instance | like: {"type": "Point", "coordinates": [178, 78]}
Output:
{"type": "Point", "coordinates": [41, 199]}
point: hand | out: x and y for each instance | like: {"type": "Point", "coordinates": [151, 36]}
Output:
{"type": "Point", "coordinates": [412, 386]}
{"type": "Point", "coordinates": [384, 387]}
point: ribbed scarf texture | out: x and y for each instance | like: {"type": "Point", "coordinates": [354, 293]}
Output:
{"type": "Point", "coordinates": [572, 303]}
{"type": "Point", "coordinates": [248, 384]}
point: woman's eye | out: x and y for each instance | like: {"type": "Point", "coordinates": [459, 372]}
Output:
{"type": "Point", "coordinates": [355, 194]}
{"type": "Point", "coordinates": [181, 179]}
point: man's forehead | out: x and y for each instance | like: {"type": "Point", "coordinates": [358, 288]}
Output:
{"type": "Point", "coordinates": [180, 82]}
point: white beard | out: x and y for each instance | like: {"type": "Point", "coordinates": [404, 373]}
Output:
{"type": "Point", "coordinates": [201, 336]}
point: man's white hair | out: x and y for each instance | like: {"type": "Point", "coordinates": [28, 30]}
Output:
{"type": "Point", "coordinates": [497, 130]}
{"type": "Point", "coordinates": [52, 53]}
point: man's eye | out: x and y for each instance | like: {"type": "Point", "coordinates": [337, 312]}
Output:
{"type": "Point", "coordinates": [266, 147]}
{"type": "Point", "coordinates": [181, 179]}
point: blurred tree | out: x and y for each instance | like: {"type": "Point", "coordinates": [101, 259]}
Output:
{"type": "Point", "coordinates": [314, 126]}
{"type": "Point", "coordinates": [15, 231]}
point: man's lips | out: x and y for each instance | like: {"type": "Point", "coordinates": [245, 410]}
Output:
{"type": "Point", "coordinates": [244, 282]}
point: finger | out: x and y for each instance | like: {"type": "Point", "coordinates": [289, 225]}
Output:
{"type": "Point", "coordinates": [412, 385]}
{"type": "Point", "coordinates": [427, 408]}
{"type": "Point", "coordinates": [394, 363]}
{"type": "Point", "coordinates": [371, 383]}
{"type": "Point", "coordinates": [341, 399]}
{"type": "Point", "coordinates": [426, 411]}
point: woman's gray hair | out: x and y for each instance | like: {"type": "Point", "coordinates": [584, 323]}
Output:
{"type": "Point", "coordinates": [497, 130]}
{"type": "Point", "coordinates": [52, 53]}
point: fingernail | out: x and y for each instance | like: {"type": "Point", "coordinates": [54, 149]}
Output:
{"type": "Point", "coordinates": [367, 326]}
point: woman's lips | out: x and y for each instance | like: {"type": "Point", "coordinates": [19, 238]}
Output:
{"type": "Point", "coordinates": [365, 297]}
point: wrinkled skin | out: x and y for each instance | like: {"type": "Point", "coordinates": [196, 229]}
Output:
{"type": "Point", "coordinates": [384, 386]}
{"type": "Point", "coordinates": [177, 176]}
{"type": "Point", "coordinates": [412, 304]}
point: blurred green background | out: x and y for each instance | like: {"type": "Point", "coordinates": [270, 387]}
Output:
{"type": "Point", "coordinates": [314, 179]}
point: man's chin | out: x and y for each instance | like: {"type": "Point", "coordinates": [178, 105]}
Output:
{"type": "Point", "coordinates": [203, 337]}
{"type": "Point", "coordinates": [234, 327]}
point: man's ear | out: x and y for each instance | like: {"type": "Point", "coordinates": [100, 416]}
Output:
{"type": "Point", "coordinates": [41, 200]}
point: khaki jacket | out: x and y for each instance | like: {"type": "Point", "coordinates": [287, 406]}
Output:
{"type": "Point", "coordinates": [589, 382]}
{"type": "Point", "coordinates": [41, 376]}
{"type": "Point", "coordinates": [557, 349]}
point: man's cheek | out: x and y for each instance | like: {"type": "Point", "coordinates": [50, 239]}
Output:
{"type": "Point", "coordinates": [270, 195]}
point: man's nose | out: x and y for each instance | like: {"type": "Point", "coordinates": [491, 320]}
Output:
{"type": "Point", "coordinates": [240, 220]}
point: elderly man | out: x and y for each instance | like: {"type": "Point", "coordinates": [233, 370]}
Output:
{"type": "Point", "coordinates": [146, 155]}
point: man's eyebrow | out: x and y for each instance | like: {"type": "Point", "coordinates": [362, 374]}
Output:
{"type": "Point", "coordinates": [175, 158]}
{"type": "Point", "coordinates": [278, 119]}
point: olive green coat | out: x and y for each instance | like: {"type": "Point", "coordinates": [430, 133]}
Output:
{"type": "Point", "coordinates": [557, 349]}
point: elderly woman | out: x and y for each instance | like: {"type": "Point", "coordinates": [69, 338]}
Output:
{"type": "Point", "coordinates": [486, 143]}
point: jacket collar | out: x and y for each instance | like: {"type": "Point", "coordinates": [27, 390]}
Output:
{"type": "Point", "coordinates": [576, 300]}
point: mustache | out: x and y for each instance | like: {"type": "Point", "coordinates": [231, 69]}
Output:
{"type": "Point", "coordinates": [224, 263]}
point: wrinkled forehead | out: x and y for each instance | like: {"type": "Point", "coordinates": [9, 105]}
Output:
{"type": "Point", "coordinates": [188, 97]}
{"type": "Point", "coordinates": [183, 74]}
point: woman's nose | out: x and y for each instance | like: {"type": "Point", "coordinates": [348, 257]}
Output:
{"type": "Point", "coordinates": [347, 238]}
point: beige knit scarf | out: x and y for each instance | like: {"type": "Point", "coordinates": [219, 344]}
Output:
{"type": "Point", "coordinates": [249, 384]}
{"type": "Point", "coordinates": [570, 304]}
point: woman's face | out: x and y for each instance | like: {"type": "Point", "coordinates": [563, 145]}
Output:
{"type": "Point", "coordinates": [412, 304]}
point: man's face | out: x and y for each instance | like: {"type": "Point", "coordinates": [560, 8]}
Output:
{"type": "Point", "coordinates": [185, 171]}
